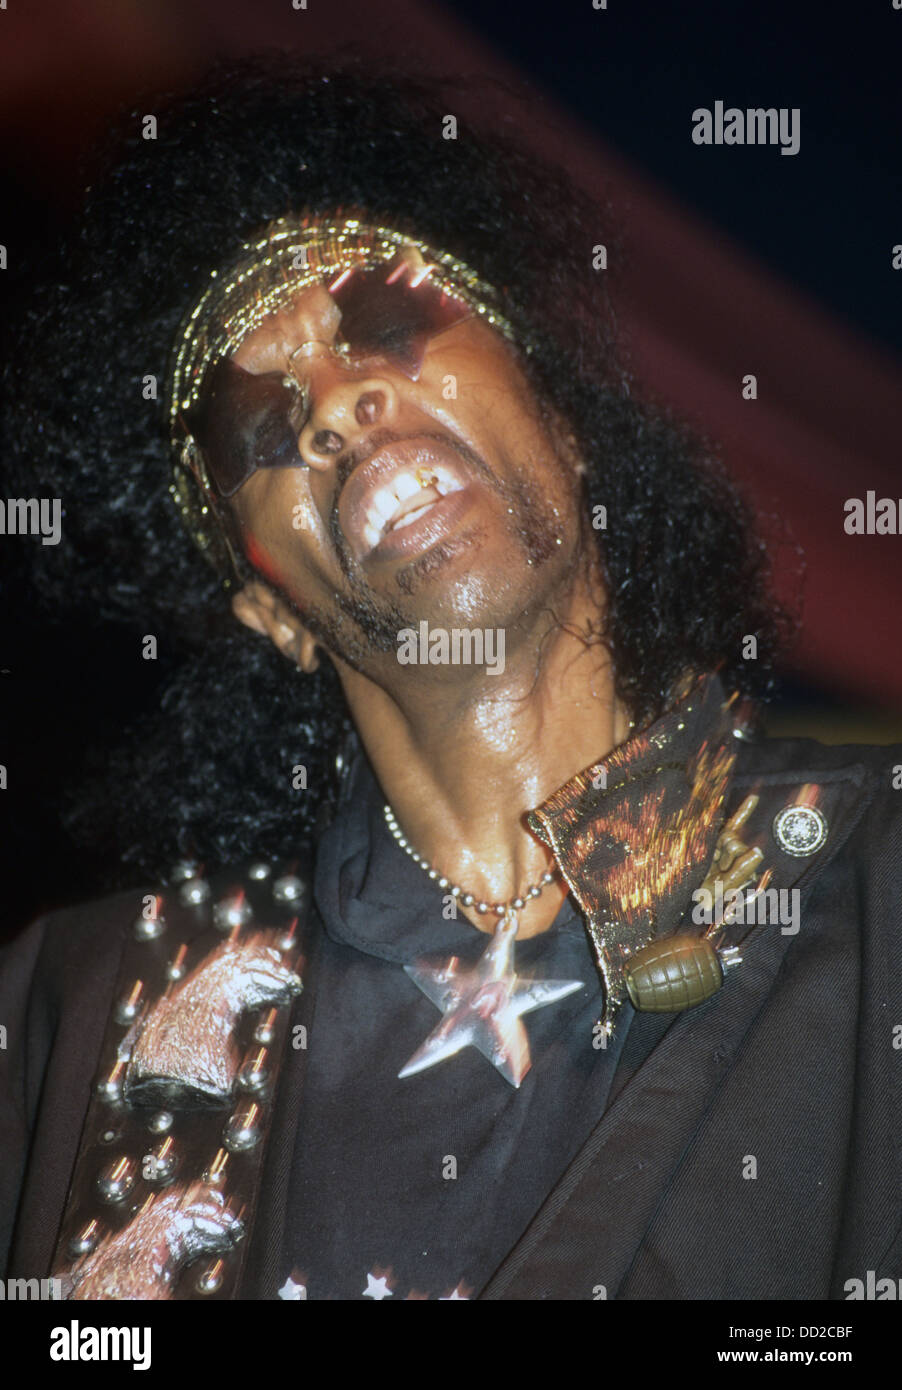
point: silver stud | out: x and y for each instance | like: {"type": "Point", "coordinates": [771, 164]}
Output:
{"type": "Point", "coordinates": [194, 892]}
{"type": "Point", "coordinates": [258, 872]}
{"type": "Point", "coordinates": [129, 1005]}
{"type": "Point", "coordinates": [242, 1130]}
{"type": "Point", "coordinates": [86, 1240]}
{"type": "Point", "coordinates": [800, 830]}
{"type": "Point", "coordinates": [254, 1074]}
{"type": "Point", "coordinates": [467, 899]}
{"type": "Point", "coordinates": [518, 903]}
{"type": "Point", "coordinates": [162, 1166]}
{"type": "Point", "coordinates": [215, 1174]}
{"type": "Point", "coordinates": [287, 939]}
{"type": "Point", "coordinates": [232, 911]}
{"type": "Point", "coordinates": [109, 1089]}
{"type": "Point", "coordinates": [265, 1029]}
{"type": "Point", "coordinates": [183, 870]}
{"type": "Point", "coordinates": [211, 1279]}
{"type": "Point", "coordinates": [160, 1123]}
{"type": "Point", "coordinates": [116, 1180]}
{"type": "Point", "coordinates": [149, 928]}
{"type": "Point", "coordinates": [288, 889]}
{"type": "Point", "coordinates": [482, 907]}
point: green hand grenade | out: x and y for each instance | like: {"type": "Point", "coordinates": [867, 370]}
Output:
{"type": "Point", "coordinates": [675, 974]}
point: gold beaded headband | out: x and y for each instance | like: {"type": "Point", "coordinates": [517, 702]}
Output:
{"type": "Point", "coordinates": [291, 254]}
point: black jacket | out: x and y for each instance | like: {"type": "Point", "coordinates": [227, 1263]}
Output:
{"type": "Point", "coordinates": [795, 1063]}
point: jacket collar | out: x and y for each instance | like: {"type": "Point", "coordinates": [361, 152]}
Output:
{"type": "Point", "coordinates": [634, 834]}
{"type": "Point", "coordinates": [591, 1228]}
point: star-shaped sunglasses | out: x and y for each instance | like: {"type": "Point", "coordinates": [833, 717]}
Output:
{"type": "Point", "coordinates": [244, 422]}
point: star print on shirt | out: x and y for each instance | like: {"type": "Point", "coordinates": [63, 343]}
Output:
{"type": "Point", "coordinates": [376, 1288]}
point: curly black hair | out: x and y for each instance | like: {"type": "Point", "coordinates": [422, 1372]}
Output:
{"type": "Point", "coordinates": [208, 774]}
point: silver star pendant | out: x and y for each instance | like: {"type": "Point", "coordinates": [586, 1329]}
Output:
{"type": "Point", "coordinates": [482, 1004]}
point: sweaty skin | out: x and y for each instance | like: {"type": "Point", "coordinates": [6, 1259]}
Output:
{"type": "Point", "coordinates": [460, 754]}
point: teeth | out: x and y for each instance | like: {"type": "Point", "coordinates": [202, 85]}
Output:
{"type": "Point", "coordinates": [385, 502]}
{"type": "Point", "coordinates": [404, 486]}
{"type": "Point", "coordinates": [383, 506]}
{"type": "Point", "coordinates": [408, 517]}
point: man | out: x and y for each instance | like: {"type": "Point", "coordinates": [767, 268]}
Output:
{"type": "Point", "coordinates": [587, 992]}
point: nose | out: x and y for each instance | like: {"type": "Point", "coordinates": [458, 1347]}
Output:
{"type": "Point", "coordinates": [345, 409]}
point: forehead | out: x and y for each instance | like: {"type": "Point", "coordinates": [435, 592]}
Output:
{"type": "Point", "coordinates": [313, 314]}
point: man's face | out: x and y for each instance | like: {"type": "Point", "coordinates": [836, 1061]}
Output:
{"type": "Point", "coordinates": [446, 498]}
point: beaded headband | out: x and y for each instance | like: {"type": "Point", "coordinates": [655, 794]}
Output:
{"type": "Point", "coordinates": [291, 254]}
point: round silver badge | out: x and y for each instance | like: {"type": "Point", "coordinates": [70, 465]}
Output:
{"type": "Point", "coordinates": [800, 830]}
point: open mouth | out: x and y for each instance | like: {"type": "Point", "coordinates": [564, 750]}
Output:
{"type": "Point", "coordinates": [409, 497]}
{"type": "Point", "coordinates": [400, 497]}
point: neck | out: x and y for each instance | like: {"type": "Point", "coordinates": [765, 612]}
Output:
{"type": "Point", "coordinates": [461, 755]}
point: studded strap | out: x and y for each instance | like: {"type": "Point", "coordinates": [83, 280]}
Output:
{"type": "Point", "coordinates": [165, 1183]}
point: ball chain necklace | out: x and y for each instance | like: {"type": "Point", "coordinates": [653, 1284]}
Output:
{"type": "Point", "coordinates": [466, 899]}
{"type": "Point", "coordinates": [481, 1004]}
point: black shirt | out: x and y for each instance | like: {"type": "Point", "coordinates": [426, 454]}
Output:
{"type": "Point", "coordinates": [419, 1187]}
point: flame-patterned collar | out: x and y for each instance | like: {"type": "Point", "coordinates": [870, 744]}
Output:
{"type": "Point", "coordinates": [635, 833]}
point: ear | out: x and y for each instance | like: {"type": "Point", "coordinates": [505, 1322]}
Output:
{"type": "Point", "coordinates": [262, 610]}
